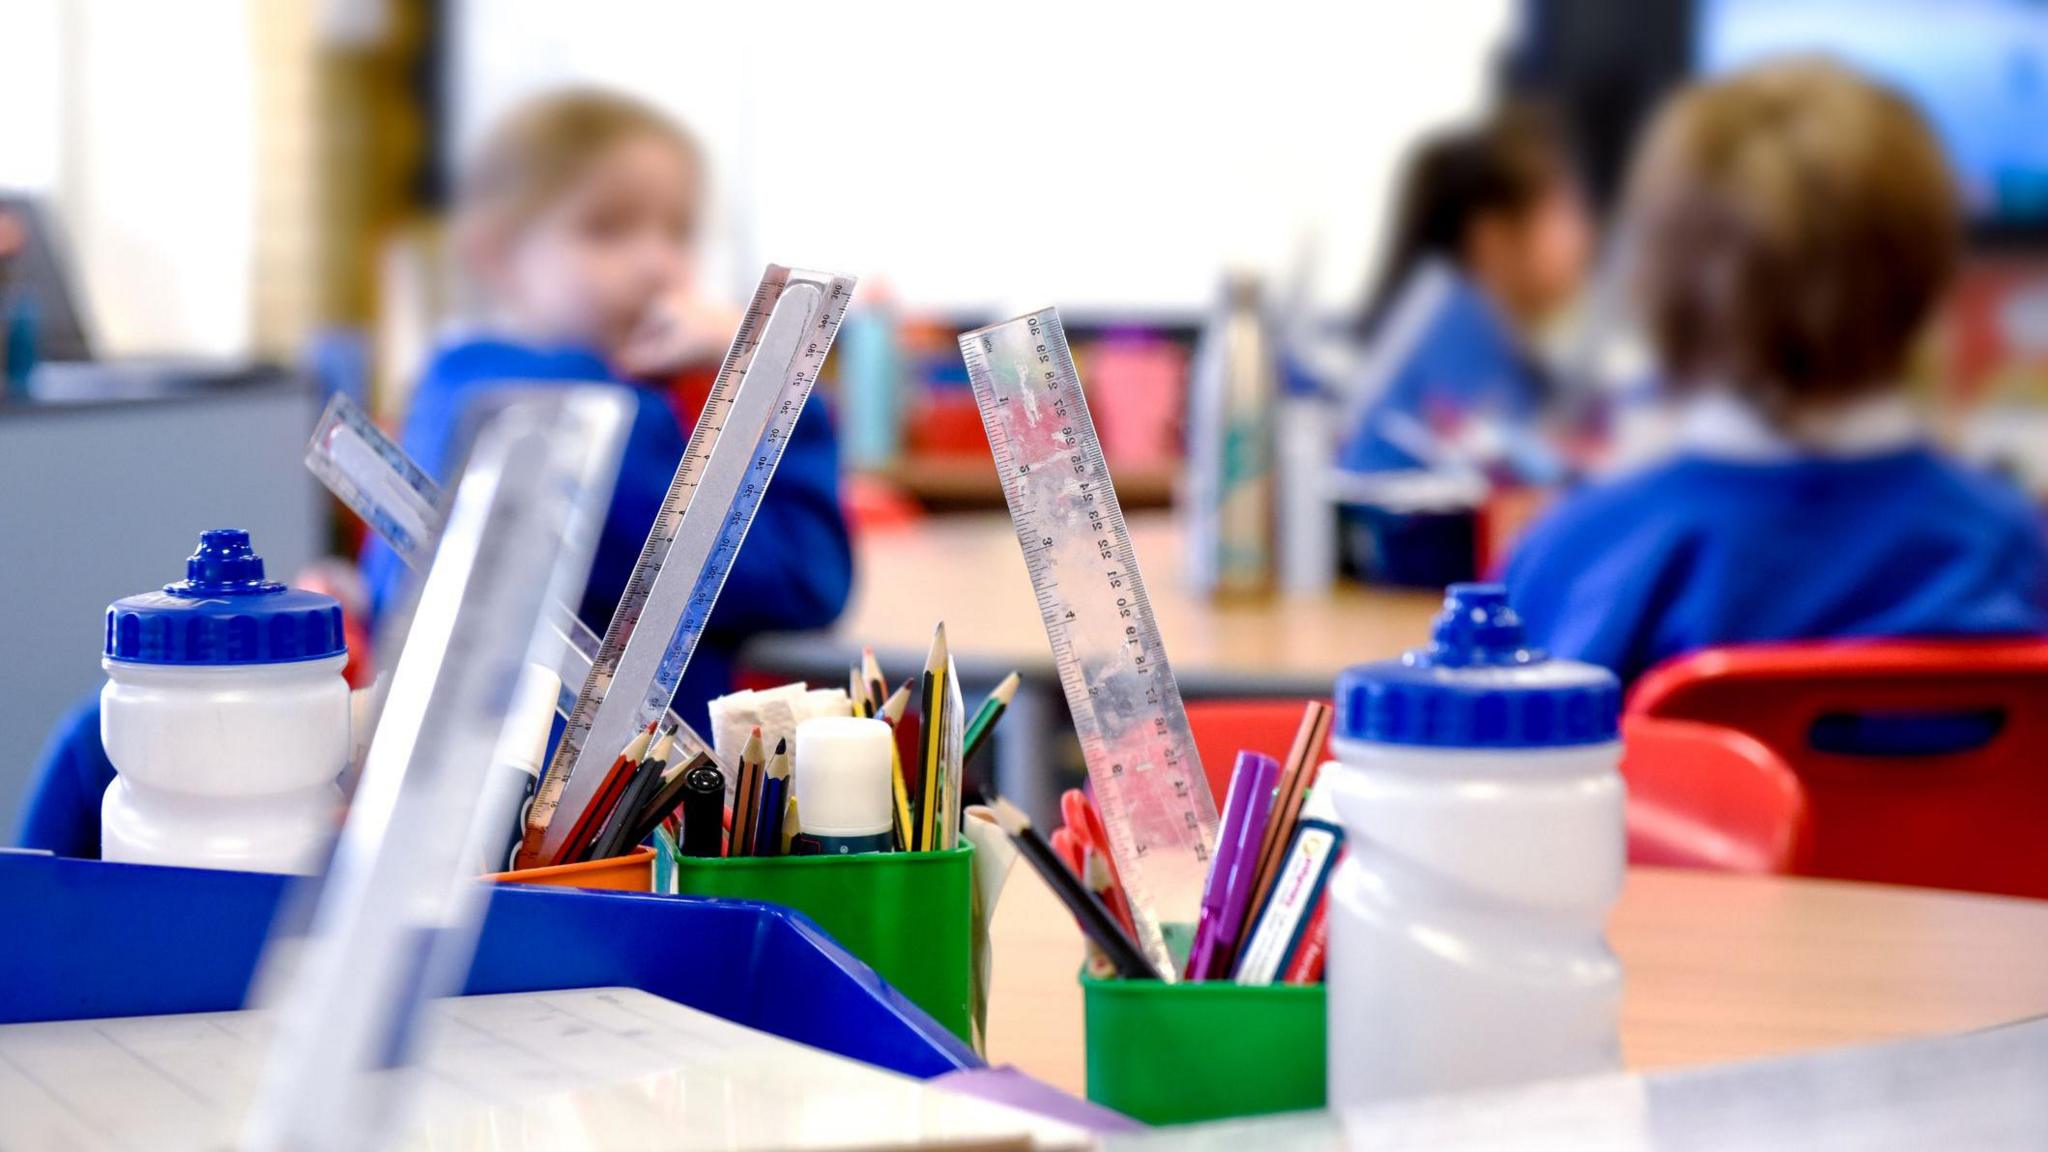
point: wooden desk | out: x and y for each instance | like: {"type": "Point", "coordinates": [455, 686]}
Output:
{"type": "Point", "coordinates": [968, 571]}
{"type": "Point", "coordinates": [1718, 968]}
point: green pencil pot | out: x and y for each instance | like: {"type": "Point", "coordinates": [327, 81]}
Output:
{"type": "Point", "coordinates": [907, 915]}
{"type": "Point", "coordinates": [1179, 1053]}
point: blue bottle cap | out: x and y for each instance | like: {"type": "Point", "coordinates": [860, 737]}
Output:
{"type": "Point", "coordinates": [223, 613]}
{"type": "Point", "coordinates": [1477, 685]}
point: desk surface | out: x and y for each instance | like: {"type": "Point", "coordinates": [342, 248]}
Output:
{"type": "Point", "coordinates": [1718, 968]}
{"type": "Point", "coordinates": [967, 571]}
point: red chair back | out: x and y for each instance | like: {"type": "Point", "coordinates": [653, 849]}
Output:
{"type": "Point", "coordinates": [1921, 762]}
{"type": "Point", "coordinates": [1699, 797]}
{"type": "Point", "coordinates": [1704, 796]}
{"type": "Point", "coordinates": [1222, 728]}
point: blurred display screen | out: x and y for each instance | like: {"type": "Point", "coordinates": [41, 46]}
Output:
{"type": "Point", "coordinates": [1978, 68]}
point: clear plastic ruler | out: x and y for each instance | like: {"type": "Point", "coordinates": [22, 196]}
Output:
{"type": "Point", "coordinates": [752, 408]}
{"type": "Point", "coordinates": [399, 910]}
{"type": "Point", "coordinates": [373, 476]}
{"type": "Point", "coordinates": [1154, 800]}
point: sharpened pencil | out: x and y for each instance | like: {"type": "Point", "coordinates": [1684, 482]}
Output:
{"type": "Point", "coordinates": [600, 805]}
{"type": "Point", "coordinates": [857, 694]}
{"type": "Point", "coordinates": [745, 797]}
{"type": "Point", "coordinates": [986, 716]}
{"type": "Point", "coordinates": [897, 703]}
{"type": "Point", "coordinates": [874, 687]}
{"type": "Point", "coordinates": [1094, 918]}
{"type": "Point", "coordinates": [774, 802]}
{"type": "Point", "coordinates": [611, 839]}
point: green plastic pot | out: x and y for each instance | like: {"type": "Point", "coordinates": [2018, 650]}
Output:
{"type": "Point", "coordinates": [908, 915]}
{"type": "Point", "coordinates": [1179, 1053]}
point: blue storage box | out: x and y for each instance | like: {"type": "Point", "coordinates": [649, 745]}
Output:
{"type": "Point", "coordinates": [88, 939]}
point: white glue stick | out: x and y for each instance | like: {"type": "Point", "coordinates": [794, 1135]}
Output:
{"type": "Point", "coordinates": [843, 785]}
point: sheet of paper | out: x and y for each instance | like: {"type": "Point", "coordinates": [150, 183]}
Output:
{"type": "Point", "coordinates": [588, 1069]}
{"type": "Point", "coordinates": [1985, 1091]}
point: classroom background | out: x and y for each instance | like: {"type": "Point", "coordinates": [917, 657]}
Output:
{"type": "Point", "coordinates": [216, 217]}
{"type": "Point", "coordinates": [231, 209]}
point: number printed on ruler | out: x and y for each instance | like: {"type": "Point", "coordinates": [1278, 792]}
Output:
{"type": "Point", "coordinates": [1112, 664]}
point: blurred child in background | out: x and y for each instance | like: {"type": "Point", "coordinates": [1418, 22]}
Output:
{"type": "Point", "coordinates": [1797, 225]}
{"type": "Point", "coordinates": [1490, 242]}
{"type": "Point", "coordinates": [577, 226]}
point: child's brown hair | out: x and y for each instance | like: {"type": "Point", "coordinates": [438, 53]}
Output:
{"type": "Point", "coordinates": [1796, 225]}
{"type": "Point", "coordinates": [533, 155]}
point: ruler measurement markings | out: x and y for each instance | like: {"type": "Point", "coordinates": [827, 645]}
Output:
{"type": "Point", "coordinates": [683, 576]}
{"type": "Point", "coordinates": [1111, 663]}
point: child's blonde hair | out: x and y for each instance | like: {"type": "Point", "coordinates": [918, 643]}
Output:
{"type": "Point", "coordinates": [539, 150]}
{"type": "Point", "coordinates": [1797, 224]}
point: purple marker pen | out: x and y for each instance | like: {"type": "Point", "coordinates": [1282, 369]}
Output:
{"type": "Point", "coordinates": [1251, 785]}
{"type": "Point", "coordinates": [1244, 870]}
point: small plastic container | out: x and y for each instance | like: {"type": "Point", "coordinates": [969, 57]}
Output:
{"type": "Point", "coordinates": [1180, 1053]}
{"type": "Point", "coordinates": [1478, 784]}
{"type": "Point", "coordinates": [633, 872]}
{"type": "Point", "coordinates": [226, 716]}
{"type": "Point", "coordinates": [908, 915]}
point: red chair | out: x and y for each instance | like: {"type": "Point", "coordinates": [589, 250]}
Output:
{"type": "Point", "coordinates": [1920, 762]}
{"type": "Point", "coordinates": [1704, 796]}
{"type": "Point", "coordinates": [1222, 728]}
{"type": "Point", "coordinates": [1745, 820]}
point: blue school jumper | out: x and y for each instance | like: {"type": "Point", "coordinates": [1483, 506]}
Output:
{"type": "Point", "coordinates": [1717, 547]}
{"type": "Point", "coordinates": [794, 571]}
{"type": "Point", "coordinates": [1442, 351]}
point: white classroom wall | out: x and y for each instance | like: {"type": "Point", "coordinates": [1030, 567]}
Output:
{"type": "Point", "coordinates": [1151, 145]}
{"type": "Point", "coordinates": [137, 119]}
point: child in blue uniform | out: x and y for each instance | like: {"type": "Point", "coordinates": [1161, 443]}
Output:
{"type": "Point", "coordinates": [1490, 241]}
{"type": "Point", "coordinates": [1797, 226]}
{"type": "Point", "coordinates": [577, 223]}
{"type": "Point", "coordinates": [577, 226]}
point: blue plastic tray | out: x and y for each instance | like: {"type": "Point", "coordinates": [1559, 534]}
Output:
{"type": "Point", "coordinates": [82, 939]}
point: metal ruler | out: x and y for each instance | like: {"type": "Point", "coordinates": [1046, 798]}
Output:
{"type": "Point", "coordinates": [1149, 786]}
{"type": "Point", "coordinates": [740, 436]}
{"type": "Point", "coordinates": [399, 910]}
{"type": "Point", "coordinates": [373, 476]}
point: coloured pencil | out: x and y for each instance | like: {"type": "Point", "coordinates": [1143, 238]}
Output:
{"type": "Point", "coordinates": [791, 825]}
{"type": "Point", "coordinates": [1094, 919]}
{"type": "Point", "coordinates": [985, 717]}
{"type": "Point", "coordinates": [612, 839]}
{"type": "Point", "coordinates": [601, 801]}
{"type": "Point", "coordinates": [774, 803]}
{"type": "Point", "coordinates": [745, 796]}
{"type": "Point", "coordinates": [1304, 761]}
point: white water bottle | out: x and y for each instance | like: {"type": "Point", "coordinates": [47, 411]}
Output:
{"type": "Point", "coordinates": [226, 717]}
{"type": "Point", "coordinates": [1478, 784]}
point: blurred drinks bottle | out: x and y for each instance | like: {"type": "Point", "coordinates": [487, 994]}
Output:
{"type": "Point", "coordinates": [1229, 490]}
{"type": "Point", "coordinates": [871, 378]}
